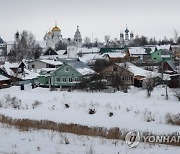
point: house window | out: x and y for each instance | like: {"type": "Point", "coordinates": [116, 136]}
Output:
{"type": "Point", "coordinates": [33, 66]}
{"type": "Point", "coordinates": [64, 79]}
{"type": "Point", "coordinates": [154, 58]}
{"type": "Point", "coordinates": [70, 79]}
{"type": "Point", "coordinates": [58, 79]}
{"type": "Point", "coordinates": [76, 79]}
{"type": "Point", "coordinates": [66, 69]}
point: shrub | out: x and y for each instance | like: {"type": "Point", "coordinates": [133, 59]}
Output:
{"type": "Point", "coordinates": [172, 119]}
{"type": "Point", "coordinates": [110, 114]}
{"type": "Point", "coordinates": [148, 117]}
{"type": "Point", "coordinates": [177, 94]}
{"type": "Point", "coordinates": [92, 111]}
{"type": "Point", "coordinates": [90, 150]}
{"type": "Point", "coordinates": [36, 104]}
{"type": "Point", "coordinates": [66, 105]}
{"type": "Point", "coordinates": [11, 102]}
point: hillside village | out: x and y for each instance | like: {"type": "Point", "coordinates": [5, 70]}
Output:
{"type": "Point", "coordinates": [74, 64]}
{"type": "Point", "coordinates": [72, 95]}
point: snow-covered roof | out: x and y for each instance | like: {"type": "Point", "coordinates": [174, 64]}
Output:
{"type": "Point", "coordinates": [81, 67]}
{"type": "Point", "coordinates": [88, 57]}
{"type": "Point", "coordinates": [51, 62]}
{"type": "Point", "coordinates": [140, 50]}
{"type": "Point", "coordinates": [163, 47]}
{"type": "Point", "coordinates": [88, 50]}
{"type": "Point", "coordinates": [137, 71]}
{"type": "Point", "coordinates": [3, 78]}
{"type": "Point", "coordinates": [27, 75]}
{"type": "Point", "coordinates": [7, 68]}
{"type": "Point", "coordinates": [115, 54]}
{"type": "Point", "coordinates": [172, 65]}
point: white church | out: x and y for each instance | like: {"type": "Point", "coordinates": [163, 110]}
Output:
{"type": "Point", "coordinates": [54, 36]}
{"type": "Point", "coordinates": [125, 38]}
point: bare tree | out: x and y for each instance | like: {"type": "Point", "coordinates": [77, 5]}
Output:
{"type": "Point", "coordinates": [37, 51]}
{"type": "Point", "coordinates": [24, 45]}
{"type": "Point", "coordinates": [148, 84]}
{"type": "Point", "coordinates": [107, 39]}
{"type": "Point", "coordinates": [87, 41]}
{"type": "Point", "coordinates": [61, 46]}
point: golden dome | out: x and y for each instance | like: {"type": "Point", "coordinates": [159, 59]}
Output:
{"type": "Point", "coordinates": [56, 28]}
{"type": "Point", "coordinates": [49, 33]}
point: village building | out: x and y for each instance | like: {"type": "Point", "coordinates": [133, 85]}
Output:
{"type": "Point", "coordinates": [54, 36]}
{"type": "Point", "coordinates": [39, 64]}
{"type": "Point", "coordinates": [162, 55]}
{"type": "Point", "coordinates": [118, 74]}
{"type": "Point", "coordinates": [4, 81]}
{"type": "Point", "coordinates": [125, 38]}
{"type": "Point", "coordinates": [67, 75]}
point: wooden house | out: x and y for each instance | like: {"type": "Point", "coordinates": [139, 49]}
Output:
{"type": "Point", "coordinates": [4, 81]}
{"type": "Point", "coordinates": [44, 63]}
{"type": "Point", "coordinates": [118, 56]}
{"type": "Point", "coordinates": [67, 75]}
{"type": "Point", "coordinates": [118, 73]}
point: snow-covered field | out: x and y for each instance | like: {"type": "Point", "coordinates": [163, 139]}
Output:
{"type": "Point", "coordinates": [14, 141]}
{"type": "Point", "coordinates": [130, 110]}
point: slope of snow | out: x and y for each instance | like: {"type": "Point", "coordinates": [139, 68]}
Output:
{"type": "Point", "coordinates": [131, 110]}
{"type": "Point", "coordinates": [32, 141]}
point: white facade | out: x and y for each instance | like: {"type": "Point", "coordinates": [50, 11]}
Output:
{"type": "Point", "coordinates": [72, 51]}
{"type": "Point", "coordinates": [53, 37]}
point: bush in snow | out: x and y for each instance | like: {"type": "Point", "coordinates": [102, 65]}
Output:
{"type": "Point", "coordinates": [66, 105]}
{"type": "Point", "coordinates": [36, 104]}
{"type": "Point", "coordinates": [66, 140]}
{"type": "Point", "coordinates": [148, 117]}
{"type": "Point", "coordinates": [90, 150]}
{"type": "Point", "coordinates": [172, 119]}
{"type": "Point", "coordinates": [177, 94]}
{"type": "Point", "coordinates": [11, 102]}
{"type": "Point", "coordinates": [92, 111]}
{"type": "Point", "coordinates": [110, 114]}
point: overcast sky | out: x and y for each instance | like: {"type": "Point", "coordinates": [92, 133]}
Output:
{"type": "Point", "coordinates": [151, 18]}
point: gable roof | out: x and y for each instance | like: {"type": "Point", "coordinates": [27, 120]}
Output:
{"type": "Point", "coordinates": [172, 66]}
{"type": "Point", "coordinates": [81, 67]}
{"type": "Point", "coordinates": [121, 65]}
{"type": "Point", "coordinates": [105, 50]}
{"type": "Point", "coordinates": [115, 55]}
{"type": "Point", "coordinates": [3, 78]}
{"type": "Point", "coordinates": [141, 50]}
{"type": "Point", "coordinates": [50, 51]}
{"type": "Point", "coordinates": [51, 62]}
{"type": "Point", "coordinates": [137, 71]}
{"type": "Point", "coordinates": [168, 46]}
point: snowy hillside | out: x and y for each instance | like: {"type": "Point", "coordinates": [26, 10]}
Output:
{"type": "Point", "coordinates": [132, 110]}
{"type": "Point", "coordinates": [48, 142]}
